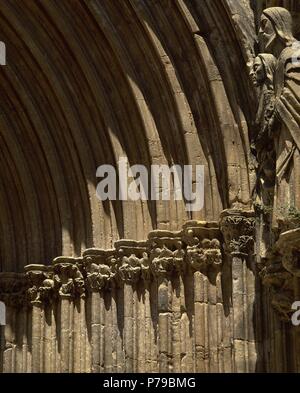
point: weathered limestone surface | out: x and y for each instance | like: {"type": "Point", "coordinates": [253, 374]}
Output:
{"type": "Point", "coordinates": [150, 81]}
{"type": "Point", "coordinates": [208, 82]}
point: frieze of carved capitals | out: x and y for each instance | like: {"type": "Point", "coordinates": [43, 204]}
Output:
{"type": "Point", "coordinates": [203, 250]}
{"type": "Point", "coordinates": [238, 228]}
{"type": "Point", "coordinates": [164, 254]}
{"type": "Point", "coordinates": [68, 278]}
{"type": "Point", "coordinates": [13, 289]}
{"type": "Point", "coordinates": [167, 255]}
{"type": "Point", "coordinates": [98, 269]}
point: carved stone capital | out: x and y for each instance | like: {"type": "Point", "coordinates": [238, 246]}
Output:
{"type": "Point", "coordinates": [238, 228]}
{"type": "Point", "coordinates": [288, 245]}
{"type": "Point", "coordinates": [40, 284]}
{"type": "Point", "coordinates": [97, 268]}
{"type": "Point", "coordinates": [68, 278]}
{"type": "Point", "coordinates": [203, 245]}
{"type": "Point", "coordinates": [280, 283]}
{"type": "Point", "coordinates": [167, 255]}
{"type": "Point", "coordinates": [13, 289]}
{"type": "Point", "coordinates": [133, 261]}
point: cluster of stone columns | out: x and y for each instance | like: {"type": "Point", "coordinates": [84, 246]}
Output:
{"type": "Point", "coordinates": [179, 302]}
{"type": "Point", "coordinates": [238, 230]}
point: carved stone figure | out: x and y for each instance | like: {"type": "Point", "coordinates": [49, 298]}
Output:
{"type": "Point", "coordinates": [130, 269]}
{"type": "Point", "coordinates": [98, 274]}
{"type": "Point", "coordinates": [276, 37]}
{"type": "Point", "coordinates": [167, 255]}
{"type": "Point", "coordinates": [68, 278]}
{"type": "Point", "coordinates": [263, 74]}
{"type": "Point", "coordinates": [131, 260]}
{"type": "Point", "coordinates": [263, 77]}
{"type": "Point", "coordinates": [40, 284]}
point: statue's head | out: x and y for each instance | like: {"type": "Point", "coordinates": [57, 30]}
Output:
{"type": "Point", "coordinates": [276, 29]}
{"type": "Point", "coordinates": [257, 73]}
{"type": "Point", "coordinates": [263, 69]}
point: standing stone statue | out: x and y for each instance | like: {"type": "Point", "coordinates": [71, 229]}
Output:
{"type": "Point", "coordinates": [263, 77]}
{"type": "Point", "coordinates": [276, 37]}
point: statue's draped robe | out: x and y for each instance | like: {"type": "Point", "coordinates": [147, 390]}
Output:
{"type": "Point", "coordinates": [287, 138]}
{"type": "Point", "coordinates": [264, 146]}
{"type": "Point", "coordinates": [265, 171]}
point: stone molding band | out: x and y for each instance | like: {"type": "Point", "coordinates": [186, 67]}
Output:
{"type": "Point", "coordinates": [197, 247]}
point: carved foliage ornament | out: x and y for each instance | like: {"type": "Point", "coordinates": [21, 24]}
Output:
{"type": "Point", "coordinates": [238, 229]}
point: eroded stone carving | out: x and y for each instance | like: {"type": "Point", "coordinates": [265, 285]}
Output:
{"type": "Point", "coordinates": [279, 119]}
{"type": "Point", "coordinates": [263, 77]}
{"type": "Point", "coordinates": [238, 228]}
{"type": "Point", "coordinates": [166, 253]}
{"type": "Point", "coordinates": [280, 283]}
{"type": "Point", "coordinates": [41, 284]}
{"type": "Point", "coordinates": [68, 278]}
{"type": "Point", "coordinates": [13, 288]}
{"type": "Point", "coordinates": [288, 246]}
{"type": "Point", "coordinates": [203, 250]}
{"type": "Point", "coordinates": [97, 268]}
{"type": "Point", "coordinates": [132, 260]}
{"type": "Point", "coordinates": [276, 38]}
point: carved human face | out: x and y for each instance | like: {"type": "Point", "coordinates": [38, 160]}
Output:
{"type": "Point", "coordinates": [267, 35]}
{"type": "Point", "coordinates": [258, 72]}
